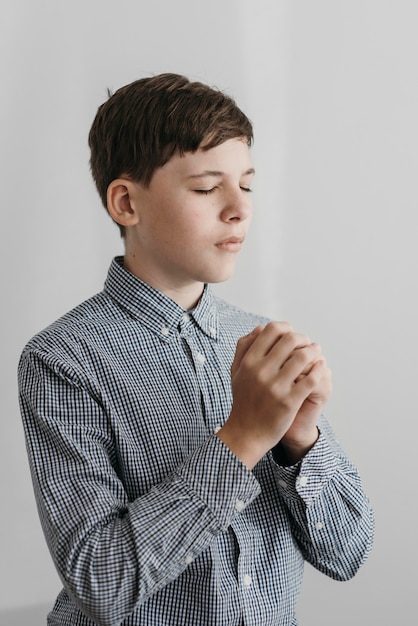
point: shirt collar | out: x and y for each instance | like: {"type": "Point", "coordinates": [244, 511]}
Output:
{"type": "Point", "coordinates": [155, 310]}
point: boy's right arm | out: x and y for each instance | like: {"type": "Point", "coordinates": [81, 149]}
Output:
{"type": "Point", "coordinates": [112, 552]}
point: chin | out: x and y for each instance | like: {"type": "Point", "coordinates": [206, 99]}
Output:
{"type": "Point", "coordinates": [219, 278]}
{"type": "Point", "coordinates": [217, 273]}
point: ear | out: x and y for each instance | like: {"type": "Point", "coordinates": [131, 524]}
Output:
{"type": "Point", "coordinates": [122, 203]}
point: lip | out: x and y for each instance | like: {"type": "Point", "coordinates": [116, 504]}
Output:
{"type": "Point", "coordinates": [231, 244]}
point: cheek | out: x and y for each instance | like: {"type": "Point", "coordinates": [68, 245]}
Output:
{"type": "Point", "coordinates": [176, 227]}
{"type": "Point", "coordinates": [193, 228]}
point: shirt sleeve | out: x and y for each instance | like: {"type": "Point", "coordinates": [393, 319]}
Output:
{"type": "Point", "coordinates": [331, 516]}
{"type": "Point", "coordinates": [110, 553]}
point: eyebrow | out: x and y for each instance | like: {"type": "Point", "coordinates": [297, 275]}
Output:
{"type": "Point", "coordinates": [217, 174]}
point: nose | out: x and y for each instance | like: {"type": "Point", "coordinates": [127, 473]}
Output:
{"type": "Point", "coordinates": [237, 205]}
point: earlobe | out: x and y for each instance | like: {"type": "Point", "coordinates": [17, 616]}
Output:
{"type": "Point", "coordinates": [121, 203]}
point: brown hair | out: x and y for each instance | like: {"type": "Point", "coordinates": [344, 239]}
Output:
{"type": "Point", "coordinates": [142, 125]}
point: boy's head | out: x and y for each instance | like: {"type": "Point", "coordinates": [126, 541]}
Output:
{"type": "Point", "coordinates": [142, 125]}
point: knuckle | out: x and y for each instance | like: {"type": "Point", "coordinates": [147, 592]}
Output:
{"type": "Point", "coordinates": [279, 328]}
{"type": "Point", "coordinates": [296, 341]}
{"type": "Point", "coordinates": [291, 339]}
{"type": "Point", "coordinates": [302, 356]}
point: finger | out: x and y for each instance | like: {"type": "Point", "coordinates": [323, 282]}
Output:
{"type": "Point", "coordinates": [320, 357]}
{"type": "Point", "coordinates": [300, 363]}
{"type": "Point", "coordinates": [269, 336]}
{"type": "Point", "coordinates": [287, 346]}
{"type": "Point", "coordinates": [321, 377]}
{"type": "Point", "coordinates": [309, 367]}
{"type": "Point", "coordinates": [316, 385]}
{"type": "Point", "coordinates": [243, 344]}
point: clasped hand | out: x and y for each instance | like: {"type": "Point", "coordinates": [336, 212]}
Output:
{"type": "Point", "coordinates": [280, 382]}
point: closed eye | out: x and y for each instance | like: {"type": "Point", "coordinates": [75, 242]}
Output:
{"type": "Point", "coordinates": [206, 192]}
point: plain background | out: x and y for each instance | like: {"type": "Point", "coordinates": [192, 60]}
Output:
{"type": "Point", "coordinates": [332, 89]}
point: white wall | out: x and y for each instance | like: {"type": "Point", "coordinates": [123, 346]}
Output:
{"type": "Point", "coordinates": [350, 261]}
{"type": "Point", "coordinates": [331, 87]}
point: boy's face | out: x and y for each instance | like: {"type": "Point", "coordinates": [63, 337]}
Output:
{"type": "Point", "coordinates": [192, 219]}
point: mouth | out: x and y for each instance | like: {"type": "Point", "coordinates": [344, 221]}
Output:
{"type": "Point", "coordinates": [231, 244]}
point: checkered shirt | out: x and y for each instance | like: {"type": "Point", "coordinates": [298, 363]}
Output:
{"type": "Point", "coordinates": [150, 519]}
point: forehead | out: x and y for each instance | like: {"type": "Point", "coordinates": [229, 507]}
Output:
{"type": "Point", "coordinates": [230, 158]}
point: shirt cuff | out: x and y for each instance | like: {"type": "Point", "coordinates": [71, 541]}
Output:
{"type": "Point", "coordinates": [309, 476]}
{"type": "Point", "coordinates": [220, 480]}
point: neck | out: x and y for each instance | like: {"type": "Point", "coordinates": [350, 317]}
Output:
{"type": "Point", "coordinates": [186, 295]}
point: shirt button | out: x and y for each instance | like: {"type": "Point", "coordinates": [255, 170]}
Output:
{"type": "Point", "coordinates": [165, 331]}
{"type": "Point", "coordinates": [200, 358]}
{"type": "Point", "coordinates": [319, 525]}
{"type": "Point", "coordinates": [188, 559]}
{"type": "Point", "coordinates": [212, 331]}
{"type": "Point", "coordinates": [239, 505]}
{"type": "Point", "coordinates": [247, 580]}
{"type": "Point", "coordinates": [217, 429]}
{"type": "Point", "coordinates": [186, 317]}
{"type": "Point", "coordinates": [303, 481]}
{"type": "Point", "coordinates": [283, 483]}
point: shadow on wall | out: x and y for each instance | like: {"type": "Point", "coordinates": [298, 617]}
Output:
{"type": "Point", "coordinates": [28, 616]}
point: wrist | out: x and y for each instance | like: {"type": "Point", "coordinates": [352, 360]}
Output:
{"type": "Point", "coordinates": [290, 451]}
{"type": "Point", "coordinates": [247, 449]}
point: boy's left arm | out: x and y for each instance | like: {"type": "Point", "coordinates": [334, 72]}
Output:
{"type": "Point", "coordinates": [331, 517]}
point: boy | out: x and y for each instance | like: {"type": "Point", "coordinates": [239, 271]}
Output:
{"type": "Point", "coordinates": [182, 469]}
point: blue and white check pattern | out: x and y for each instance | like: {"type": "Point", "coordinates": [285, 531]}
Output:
{"type": "Point", "coordinates": [150, 519]}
